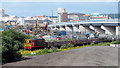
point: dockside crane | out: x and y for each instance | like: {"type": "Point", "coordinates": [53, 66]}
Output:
{"type": "Point", "coordinates": [36, 24]}
{"type": "Point", "coordinates": [8, 27]}
{"type": "Point", "coordinates": [16, 26]}
{"type": "Point", "coordinates": [36, 27]}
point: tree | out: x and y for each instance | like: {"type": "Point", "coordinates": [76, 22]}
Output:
{"type": "Point", "coordinates": [12, 42]}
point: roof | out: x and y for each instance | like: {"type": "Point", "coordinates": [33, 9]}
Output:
{"type": "Point", "coordinates": [76, 14]}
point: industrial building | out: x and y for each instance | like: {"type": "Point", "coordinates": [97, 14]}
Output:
{"type": "Point", "coordinates": [75, 16]}
{"type": "Point", "coordinates": [62, 15]}
{"type": "Point", "coordinates": [2, 12]}
{"type": "Point", "coordinates": [97, 16]}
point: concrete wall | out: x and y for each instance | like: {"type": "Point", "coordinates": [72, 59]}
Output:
{"type": "Point", "coordinates": [97, 28]}
{"type": "Point", "coordinates": [68, 28]}
{"type": "Point", "coordinates": [80, 28]}
{"type": "Point", "coordinates": [118, 30]}
{"type": "Point", "coordinates": [109, 30]}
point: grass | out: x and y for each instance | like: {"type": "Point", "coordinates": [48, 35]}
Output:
{"type": "Point", "coordinates": [63, 48]}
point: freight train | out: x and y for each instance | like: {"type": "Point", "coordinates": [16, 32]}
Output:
{"type": "Point", "coordinates": [38, 43]}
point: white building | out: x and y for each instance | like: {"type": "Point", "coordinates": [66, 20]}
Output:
{"type": "Point", "coordinates": [60, 12]}
{"type": "Point", "coordinates": [21, 21]}
{"type": "Point", "coordinates": [2, 12]}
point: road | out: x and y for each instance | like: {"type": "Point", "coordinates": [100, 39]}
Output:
{"type": "Point", "coordinates": [88, 56]}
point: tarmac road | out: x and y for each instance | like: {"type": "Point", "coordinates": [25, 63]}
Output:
{"type": "Point", "coordinates": [88, 56]}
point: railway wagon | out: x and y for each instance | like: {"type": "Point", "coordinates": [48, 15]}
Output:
{"type": "Point", "coordinates": [58, 43]}
{"type": "Point", "coordinates": [37, 43]}
{"type": "Point", "coordinates": [34, 43]}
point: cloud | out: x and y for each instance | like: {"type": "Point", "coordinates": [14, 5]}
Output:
{"type": "Point", "coordinates": [59, 0]}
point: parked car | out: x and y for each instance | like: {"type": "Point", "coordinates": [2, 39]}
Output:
{"type": "Point", "coordinates": [55, 37]}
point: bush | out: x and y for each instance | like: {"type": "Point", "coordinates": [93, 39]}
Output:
{"type": "Point", "coordinates": [70, 45]}
{"type": "Point", "coordinates": [63, 46]}
{"type": "Point", "coordinates": [67, 46]}
{"type": "Point", "coordinates": [12, 42]}
{"type": "Point", "coordinates": [103, 44]}
{"type": "Point", "coordinates": [44, 51]}
{"type": "Point", "coordinates": [100, 44]}
{"type": "Point", "coordinates": [53, 49]}
{"type": "Point", "coordinates": [107, 44]}
{"type": "Point", "coordinates": [92, 44]}
{"type": "Point", "coordinates": [116, 42]}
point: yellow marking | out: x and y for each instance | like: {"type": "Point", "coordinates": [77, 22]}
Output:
{"type": "Point", "coordinates": [27, 44]}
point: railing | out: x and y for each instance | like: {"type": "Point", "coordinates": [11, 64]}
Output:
{"type": "Point", "coordinates": [110, 20]}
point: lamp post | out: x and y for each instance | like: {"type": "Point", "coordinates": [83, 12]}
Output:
{"type": "Point", "coordinates": [72, 32]}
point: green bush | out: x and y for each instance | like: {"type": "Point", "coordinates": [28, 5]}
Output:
{"type": "Point", "coordinates": [92, 44]}
{"type": "Point", "coordinates": [103, 44]}
{"type": "Point", "coordinates": [67, 46]}
{"type": "Point", "coordinates": [44, 51]}
{"type": "Point", "coordinates": [107, 44]}
{"type": "Point", "coordinates": [53, 49]}
{"type": "Point", "coordinates": [100, 44]}
{"type": "Point", "coordinates": [12, 42]}
{"type": "Point", "coordinates": [70, 45]}
{"type": "Point", "coordinates": [116, 42]}
{"type": "Point", "coordinates": [63, 46]}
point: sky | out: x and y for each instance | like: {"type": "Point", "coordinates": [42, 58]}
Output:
{"type": "Point", "coordinates": [21, 8]}
{"type": "Point", "coordinates": [59, 0]}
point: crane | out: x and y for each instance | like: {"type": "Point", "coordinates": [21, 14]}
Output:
{"type": "Point", "coordinates": [8, 25]}
{"type": "Point", "coordinates": [36, 27]}
{"type": "Point", "coordinates": [36, 24]}
{"type": "Point", "coordinates": [16, 25]}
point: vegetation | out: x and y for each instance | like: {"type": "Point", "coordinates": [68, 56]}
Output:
{"type": "Point", "coordinates": [39, 51]}
{"type": "Point", "coordinates": [92, 44]}
{"type": "Point", "coordinates": [63, 48]}
{"type": "Point", "coordinates": [0, 48]}
{"type": "Point", "coordinates": [67, 46]}
{"type": "Point", "coordinates": [54, 49]}
{"type": "Point", "coordinates": [12, 42]}
{"type": "Point", "coordinates": [116, 42]}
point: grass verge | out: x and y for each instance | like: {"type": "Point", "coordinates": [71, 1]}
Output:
{"type": "Point", "coordinates": [63, 48]}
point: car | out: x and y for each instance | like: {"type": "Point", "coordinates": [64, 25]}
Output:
{"type": "Point", "coordinates": [55, 37]}
{"type": "Point", "coordinates": [58, 38]}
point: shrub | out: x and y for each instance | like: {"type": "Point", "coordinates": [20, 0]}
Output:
{"type": "Point", "coordinates": [107, 44]}
{"type": "Point", "coordinates": [53, 49]}
{"type": "Point", "coordinates": [12, 42]}
{"type": "Point", "coordinates": [44, 51]}
{"type": "Point", "coordinates": [92, 44]}
{"type": "Point", "coordinates": [99, 44]}
{"type": "Point", "coordinates": [70, 45]}
{"type": "Point", "coordinates": [67, 46]}
{"type": "Point", "coordinates": [63, 46]}
{"type": "Point", "coordinates": [116, 42]}
{"type": "Point", "coordinates": [103, 44]}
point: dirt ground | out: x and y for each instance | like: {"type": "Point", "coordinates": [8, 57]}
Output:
{"type": "Point", "coordinates": [88, 56]}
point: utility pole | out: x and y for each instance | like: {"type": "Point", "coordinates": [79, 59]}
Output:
{"type": "Point", "coordinates": [114, 14]}
{"type": "Point", "coordinates": [52, 15]}
{"type": "Point", "coordinates": [72, 32]}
